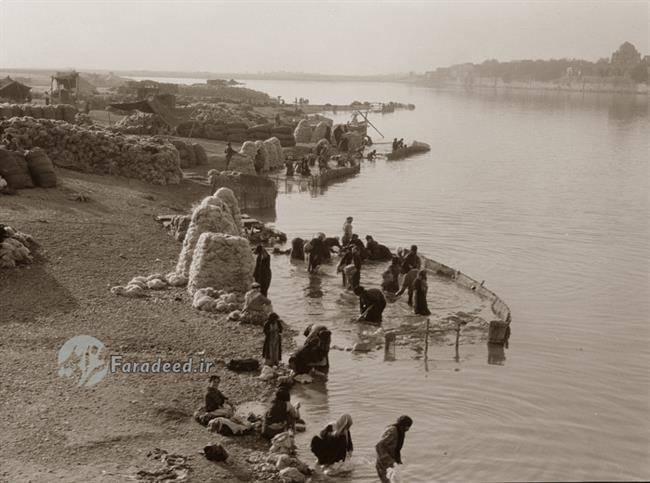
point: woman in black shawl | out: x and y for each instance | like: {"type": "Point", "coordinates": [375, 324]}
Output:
{"type": "Point", "coordinates": [262, 272]}
{"type": "Point", "coordinates": [272, 349]}
{"type": "Point", "coordinates": [420, 289]}
{"type": "Point", "coordinates": [389, 448]}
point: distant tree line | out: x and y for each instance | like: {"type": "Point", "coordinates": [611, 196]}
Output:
{"type": "Point", "coordinates": [624, 62]}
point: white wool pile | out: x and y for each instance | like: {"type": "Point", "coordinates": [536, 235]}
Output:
{"type": "Point", "coordinates": [354, 140]}
{"type": "Point", "coordinates": [138, 285]}
{"type": "Point", "coordinates": [265, 154]}
{"type": "Point", "coordinates": [14, 249]}
{"type": "Point", "coordinates": [319, 132]}
{"type": "Point", "coordinates": [212, 215]}
{"type": "Point", "coordinates": [278, 150]}
{"type": "Point", "coordinates": [272, 153]}
{"type": "Point", "coordinates": [222, 261]}
{"type": "Point", "coordinates": [176, 280]}
{"type": "Point", "coordinates": [210, 300]}
{"type": "Point", "coordinates": [248, 149]}
{"type": "Point", "coordinates": [243, 164]}
{"type": "Point", "coordinates": [303, 132]}
{"type": "Point", "coordinates": [228, 197]}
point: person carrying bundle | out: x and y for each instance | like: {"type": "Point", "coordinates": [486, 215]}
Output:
{"type": "Point", "coordinates": [371, 304]}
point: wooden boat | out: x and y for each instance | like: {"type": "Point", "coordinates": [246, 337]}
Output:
{"type": "Point", "coordinates": [415, 148]}
{"type": "Point", "coordinates": [331, 174]}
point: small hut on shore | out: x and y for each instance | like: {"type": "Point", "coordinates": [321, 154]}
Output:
{"type": "Point", "coordinates": [13, 90]}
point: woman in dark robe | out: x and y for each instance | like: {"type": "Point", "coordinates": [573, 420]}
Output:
{"type": "Point", "coordinates": [281, 415]}
{"type": "Point", "coordinates": [272, 349]}
{"type": "Point", "coordinates": [316, 253]}
{"type": "Point", "coordinates": [262, 272]}
{"type": "Point", "coordinates": [334, 443]}
{"type": "Point", "coordinates": [420, 289]}
{"type": "Point", "coordinates": [390, 281]}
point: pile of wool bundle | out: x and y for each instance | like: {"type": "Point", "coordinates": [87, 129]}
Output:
{"type": "Point", "coordinates": [228, 197]}
{"type": "Point", "coordinates": [211, 215]}
{"type": "Point", "coordinates": [279, 153]}
{"type": "Point", "coordinates": [303, 132]}
{"type": "Point", "coordinates": [210, 300]}
{"type": "Point", "coordinates": [186, 153]}
{"type": "Point", "coordinates": [259, 132]}
{"type": "Point", "coordinates": [200, 154]}
{"type": "Point", "coordinates": [221, 261]}
{"type": "Point", "coordinates": [14, 169]}
{"type": "Point", "coordinates": [96, 150]}
{"type": "Point", "coordinates": [15, 247]}
{"type": "Point", "coordinates": [320, 131]}
{"type": "Point", "coordinates": [261, 147]}
{"type": "Point", "coordinates": [41, 168]}
{"type": "Point", "coordinates": [142, 123]}
{"type": "Point", "coordinates": [248, 149]}
{"type": "Point", "coordinates": [243, 164]}
{"type": "Point", "coordinates": [137, 286]}
{"type": "Point", "coordinates": [285, 135]}
{"type": "Point", "coordinates": [271, 154]}
{"type": "Point", "coordinates": [60, 112]}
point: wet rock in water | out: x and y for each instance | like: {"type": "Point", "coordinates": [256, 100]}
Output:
{"type": "Point", "coordinates": [362, 347]}
{"type": "Point", "coordinates": [243, 365]}
{"type": "Point", "coordinates": [292, 475]}
{"type": "Point", "coordinates": [303, 379]}
{"type": "Point", "coordinates": [215, 452]}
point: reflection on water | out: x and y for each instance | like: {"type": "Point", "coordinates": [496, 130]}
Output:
{"type": "Point", "coordinates": [546, 198]}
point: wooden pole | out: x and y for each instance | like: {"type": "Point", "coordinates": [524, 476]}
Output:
{"type": "Point", "coordinates": [426, 343]}
{"type": "Point", "coordinates": [457, 341]}
{"type": "Point", "coordinates": [368, 121]}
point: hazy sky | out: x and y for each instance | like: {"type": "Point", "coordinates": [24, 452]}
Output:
{"type": "Point", "coordinates": [326, 37]}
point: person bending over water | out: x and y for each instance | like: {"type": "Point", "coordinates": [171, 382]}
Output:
{"type": "Point", "coordinates": [281, 415]}
{"type": "Point", "coordinates": [371, 304]}
{"type": "Point", "coordinates": [334, 443]}
{"type": "Point", "coordinates": [389, 448]}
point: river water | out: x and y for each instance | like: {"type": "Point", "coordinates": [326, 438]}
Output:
{"type": "Point", "coordinates": [545, 197]}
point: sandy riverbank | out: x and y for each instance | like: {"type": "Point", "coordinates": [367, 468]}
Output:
{"type": "Point", "coordinates": [53, 430]}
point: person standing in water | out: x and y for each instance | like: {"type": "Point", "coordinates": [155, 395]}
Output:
{"type": "Point", "coordinates": [347, 231]}
{"type": "Point", "coordinates": [371, 304]}
{"type": "Point", "coordinates": [390, 277]}
{"type": "Point", "coordinates": [230, 152]}
{"type": "Point", "coordinates": [420, 289]}
{"type": "Point", "coordinates": [389, 448]}
{"type": "Point", "coordinates": [262, 273]}
{"type": "Point", "coordinates": [272, 349]}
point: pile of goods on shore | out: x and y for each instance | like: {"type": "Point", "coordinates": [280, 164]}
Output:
{"type": "Point", "coordinates": [254, 192]}
{"type": "Point", "coordinates": [19, 170]}
{"type": "Point", "coordinates": [142, 123]}
{"type": "Point", "coordinates": [224, 94]}
{"type": "Point", "coordinates": [215, 262]}
{"type": "Point", "coordinates": [191, 154]}
{"type": "Point", "coordinates": [15, 247]}
{"type": "Point", "coordinates": [312, 132]}
{"type": "Point", "coordinates": [60, 112]}
{"type": "Point", "coordinates": [95, 150]}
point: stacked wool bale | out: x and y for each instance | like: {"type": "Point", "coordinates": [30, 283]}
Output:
{"type": "Point", "coordinates": [41, 168]}
{"type": "Point", "coordinates": [211, 300]}
{"type": "Point", "coordinates": [14, 169]}
{"type": "Point", "coordinates": [228, 197]}
{"type": "Point", "coordinates": [213, 214]}
{"type": "Point", "coordinates": [14, 247]}
{"type": "Point", "coordinates": [200, 154]}
{"type": "Point", "coordinates": [259, 132]}
{"type": "Point", "coordinates": [242, 163]}
{"type": "Point", "coordinates": [222, 261]}
{"type": "Point", "coordinates": [271, 154]}
{"type": "Point", "coordinates": [261, 147]}
{"type": "Point", "coordinates": [284, 134]}
{"type": "Point", "coordinates": [320, 131]}
{"type": "Point", "coordinates": [274, 143]}
{"type": "Point", "coordinates": [142, 123]}
{"type": "Point", "coordinates": [186, 153]}
{"type": "Point", "coordinates": [61, 112]}
{"type": "Point", "coordinates": [303, 132]}
{"type": "Point", "coordinates": [95, 150]}
{"type": "Point", "coordinates": [248, 149]}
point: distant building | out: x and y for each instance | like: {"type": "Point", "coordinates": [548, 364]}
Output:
{"type": "Point", "coordinates": [13, 90]}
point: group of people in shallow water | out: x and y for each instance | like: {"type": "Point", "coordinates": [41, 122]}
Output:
{"type": "Point", "coordinates": [398, 144]}
{"type": "Point", "coordinates": [333, 444]}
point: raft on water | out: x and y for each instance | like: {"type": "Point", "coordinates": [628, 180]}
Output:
{"type": "Point", "coordinates": [325, 177]}
{"type": "Point", "coordinates": [415, 148]}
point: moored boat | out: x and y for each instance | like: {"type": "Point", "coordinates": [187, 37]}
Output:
{"type": "Point", "coordinates": [415, 148]}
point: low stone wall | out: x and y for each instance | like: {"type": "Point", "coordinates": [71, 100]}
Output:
{"type": "Point", "coordinates": [335, 173]}
{"type": "Point", "coordinates": [253, 192]}
{"type": "Point", "coordinates": [499, 308]}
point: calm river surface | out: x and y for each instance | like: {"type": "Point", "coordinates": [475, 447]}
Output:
{"type": "Point", "coordinates": [545, 197]}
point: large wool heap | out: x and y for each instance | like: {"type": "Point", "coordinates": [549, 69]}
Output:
{"type": "Point", "coordinates": [223, 262]}
{"type": "Point", "coordinates": [274, 143]}
{"type": "Point", "coordinates": [228, 197]}
{"type": "Point", "coordinates": [265, 155]}
{"type": "Point", "coordinates": [319, 131]}
{"type": "Point", "coordinates": [142, 123]}
{"type": "Point", "coordinates": [243, 164]}
{"type": "Point", "coordinates": [14, 247]}
{"type": "Point", "coordinates": [61, 112]}
{"type": "Point", "coordinates": [212, 215]}
{"type": "Point", "coordinates": [248, 149]}
{"type": "Point", "coordinates": [96, 150]}
{"type": "Point", "coordinates": [303, 132]}
{"type": "Point", "coordinates": [272, 153]}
